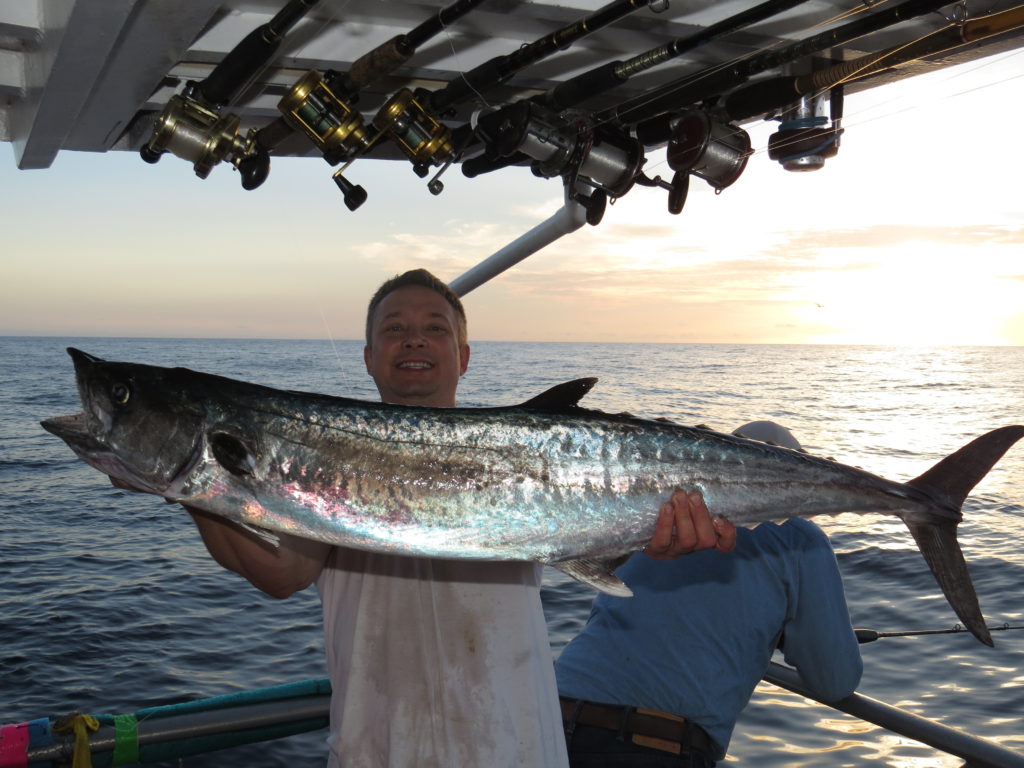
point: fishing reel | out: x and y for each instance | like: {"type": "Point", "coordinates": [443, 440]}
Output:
{"type": "Point", "coordinates": [708, 149]}
{"type": "Point", "coordinates": [805, 139]}
{"type": "Point", "coordinates": [332, 125]}
{"type": "Point", "coordinates": [203, 137]}
{"type": "Point", "coordinates": [422, 139]}
{"type": "Point", "coordinates": [336, 129]}
{"type": "Point", "coordinates": [605, 160]}
{"type": "Point", "coordinates": [192, 128]}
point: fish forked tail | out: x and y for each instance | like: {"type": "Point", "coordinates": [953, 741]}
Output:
{"type": "Point", "coordinates": [947, 484]}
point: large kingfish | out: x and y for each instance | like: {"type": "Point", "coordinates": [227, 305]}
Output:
{"type": "Point", "coordinates": [546, 481]}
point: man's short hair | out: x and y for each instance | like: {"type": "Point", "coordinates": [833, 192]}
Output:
{"type": "Point", "coordinates": [425, 279]}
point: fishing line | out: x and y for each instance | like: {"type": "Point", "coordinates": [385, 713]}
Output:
{"type": "Point", "coordinates": [458, 64]}
{"type": "Point", "coordinates": [828, 78]}
{"type": "Point", "coordinates": [870, 635]}
{"type": "Point", "coordinates": [859, 118]}
{"type": "Point", "coordinates": [697, 77]}
{"type": "Point", "coordinates": [964, 73]}
{"type": "Point", "coordinates": [880, 57]}
{"type": "Point", "coordinates": [864, 117]}
{"type": "Point", "coordinates": [343, 374]}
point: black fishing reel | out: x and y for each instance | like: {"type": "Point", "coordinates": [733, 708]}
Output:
{"type": "Point", "coordinates": [708, 149]}
{"type": "Point", "coordinates": [699, 145]}
{"type": "Point", "coordinates": [603, 159]}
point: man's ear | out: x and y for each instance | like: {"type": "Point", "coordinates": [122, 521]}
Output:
{"type": "Point", "coordinates": [366, 358]}
{"type": "Point", "coordinates": [464, 359]}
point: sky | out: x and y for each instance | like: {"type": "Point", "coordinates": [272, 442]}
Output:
{"type": "Point", "coordinates": [912, 235]}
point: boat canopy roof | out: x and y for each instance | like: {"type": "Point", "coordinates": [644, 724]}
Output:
{"type": "Point", "coordinates": [95, 76]}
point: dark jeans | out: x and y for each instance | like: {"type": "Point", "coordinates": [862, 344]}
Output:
{"type": "Point", "coordinates": [591, 747]}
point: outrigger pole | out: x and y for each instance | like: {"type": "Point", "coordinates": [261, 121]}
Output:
{"type": "Point", "coordinates": [570, 217]}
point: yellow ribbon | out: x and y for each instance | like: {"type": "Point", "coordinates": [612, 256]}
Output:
{"type": "Point", "coordinates": [81, 725]}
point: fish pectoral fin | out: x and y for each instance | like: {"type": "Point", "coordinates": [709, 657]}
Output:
{"type": "Point", "coordinates": [597, 573]}
{"type": "Point", "coordinates": [268, 536]}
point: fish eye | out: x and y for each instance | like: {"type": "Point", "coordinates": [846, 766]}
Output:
{"type": "Point", "coordinates": [120, 394]}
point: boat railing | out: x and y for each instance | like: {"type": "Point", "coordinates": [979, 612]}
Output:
{"type": "Point", "coordinates": [977, 752]}
{"type": "Point", "coordinates": [175, 731]}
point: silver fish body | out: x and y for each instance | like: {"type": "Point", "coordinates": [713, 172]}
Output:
{"type": "Point", "coordinates": [546, 481]}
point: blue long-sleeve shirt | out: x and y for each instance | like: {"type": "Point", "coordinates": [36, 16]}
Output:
{"type": "Point", "coordinates": [699, 632]}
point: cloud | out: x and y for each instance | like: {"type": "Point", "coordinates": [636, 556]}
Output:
{"type": "Point", "coordinates": [811, 242]}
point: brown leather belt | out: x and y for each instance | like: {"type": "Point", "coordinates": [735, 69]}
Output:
{"type": "Point", "coordinates": [646, 727]}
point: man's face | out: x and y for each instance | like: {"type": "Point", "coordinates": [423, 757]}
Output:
{"type": "Point", "coordinates": [414, 354]}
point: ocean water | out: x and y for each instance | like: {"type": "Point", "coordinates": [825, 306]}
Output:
{"type": "Point", "coordinates": [109, 602]}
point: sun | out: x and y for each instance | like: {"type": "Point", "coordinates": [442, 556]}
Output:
{"type": "Point", "coordinates": [914, 293]}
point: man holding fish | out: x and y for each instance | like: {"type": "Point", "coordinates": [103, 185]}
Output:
{"type": "Point", "coordinates": [433, 662]}
{"type": "Point", "coordinates": [292, 488]}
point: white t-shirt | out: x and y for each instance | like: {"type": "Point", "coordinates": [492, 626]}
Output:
{"type": "Point", "coordinates": [438, 664]}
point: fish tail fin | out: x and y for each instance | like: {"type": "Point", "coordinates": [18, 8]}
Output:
{"type": "Point", "coordinates": [937, 542]}
{"type": "Point", "coordinates": [948, 483]}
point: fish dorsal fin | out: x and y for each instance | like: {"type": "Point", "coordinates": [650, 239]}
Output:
{"type": "Point", "coordinates": [565, 395]}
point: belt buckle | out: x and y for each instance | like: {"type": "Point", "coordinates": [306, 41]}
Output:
{"type": "Point", "coordinates": [652, 742]}
{"type": "Point", "coordinates": [661, 744]}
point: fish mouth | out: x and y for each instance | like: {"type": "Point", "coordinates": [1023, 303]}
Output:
{"type": "Point", "coordinates": [74, 430]}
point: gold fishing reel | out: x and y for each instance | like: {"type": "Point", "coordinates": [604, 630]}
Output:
{"type": "Point", "coordinates": [336, 128]}
{"type": "Point", "coordinates": [199, 135]}
{"type": "Point", "coordinates": [423, 139]}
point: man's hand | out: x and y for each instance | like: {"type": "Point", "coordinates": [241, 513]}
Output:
{"type": "Point", "coordinates": [685, 526]}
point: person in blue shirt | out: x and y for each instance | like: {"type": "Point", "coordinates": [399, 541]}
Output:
{"type": "Point", "coordinates": [660, 678]}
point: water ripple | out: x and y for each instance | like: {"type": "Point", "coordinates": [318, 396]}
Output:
{"type": "Point", "coordinates": [109, 602]}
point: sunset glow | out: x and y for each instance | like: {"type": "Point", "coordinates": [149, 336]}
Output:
{"type": "Point", "coordinates": [912, 235]}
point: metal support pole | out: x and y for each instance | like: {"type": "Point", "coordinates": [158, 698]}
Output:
{"type": "Point", "coordinates": [570, 217]}
{"type": "Point", "coordinates": [978, 753]}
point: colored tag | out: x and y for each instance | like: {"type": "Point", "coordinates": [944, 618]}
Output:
{"type": "Point", "coordinates": [126, 740]}
{"type": "Point", "coordinates": [14, 746]}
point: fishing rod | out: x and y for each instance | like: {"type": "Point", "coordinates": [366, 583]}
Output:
{"type": "Point", "coordinates": [566, 146]}
{"type": "Point", "coordinates": [388, 56]}
{"type": "Point", "coordinates": [607, 76]}
{"type": "Point", "coordinates": [713, 81]}
{"type": "Point", "coordinates": [714, 149]}
{"type": "Point", "coordinates": [766, 95]}
{"type": "Point", "coordinates": [191, 126]}
{"type": "Point", "coordinates": [407, 118]}
{"type": "Point", "coordinates": [500, 68]}
{"type": "Point", "coordinates": [322, 105]}
{"type": "Point", "coordinates": [802, 143]}
{"type": "Point", "coordinates": [870, 635]}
